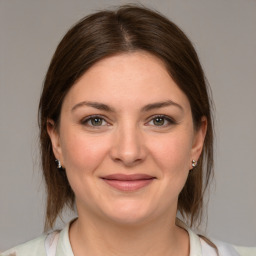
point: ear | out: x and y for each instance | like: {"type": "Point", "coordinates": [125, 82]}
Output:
{"type": "Point", "coordinates": [198, 141]}
{"type": "Point", "coordinates": [55, 139]}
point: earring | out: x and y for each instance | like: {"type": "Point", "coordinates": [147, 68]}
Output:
{"type": "Point", "coordinates": [194, 163]}
{"type": "Point", "coordinates": [58, 164]}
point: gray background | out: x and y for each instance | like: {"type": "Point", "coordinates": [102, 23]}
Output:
{"type": "Point", "coordinates": [224, 34]}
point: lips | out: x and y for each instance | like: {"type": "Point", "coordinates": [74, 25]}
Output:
{"type": "Point", "coordinates": [125, 182]}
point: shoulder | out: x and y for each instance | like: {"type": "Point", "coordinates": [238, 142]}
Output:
{"type": "Point", "coordinates": [246, 251]}
{"type": "Point", "coordinates": [202, 246]}
{"type": "Point", "coordinates": [55, 241]}
{"type": "Point", "coordinates": [31, 248]}
{"type": "Point", "coordinates": [225, 249]}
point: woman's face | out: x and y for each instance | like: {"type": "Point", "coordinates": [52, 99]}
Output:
{"type": "Point", "coordinates": [126, 139]}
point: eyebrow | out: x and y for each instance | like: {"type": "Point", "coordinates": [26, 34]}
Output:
{"type": "Point", "coordinates": [161, 105]}
{"type": "Point", "coordinates": [92, 104]}
{"type": "Point", "coordinates": [146, 108]}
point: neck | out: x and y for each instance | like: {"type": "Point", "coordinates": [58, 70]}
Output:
{"type": "Point", "coordinates": [102, 238]}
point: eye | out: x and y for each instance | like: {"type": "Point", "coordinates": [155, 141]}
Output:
{"type": "Point", "coordinates": [94, 121]}
{"type": "Point", "coordinates": [161, 120]}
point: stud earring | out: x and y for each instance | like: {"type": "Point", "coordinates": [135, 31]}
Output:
{"type": "Point", "coordinates": [58, 164]}
{"type": "Point", "coordinates": [194, 163]}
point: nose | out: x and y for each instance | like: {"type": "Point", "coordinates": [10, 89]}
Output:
{"type": "Point", "coordinates": [128, 146]}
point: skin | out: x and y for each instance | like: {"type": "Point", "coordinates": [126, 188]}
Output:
{"type": "Point", "coordinates": [127, 138]}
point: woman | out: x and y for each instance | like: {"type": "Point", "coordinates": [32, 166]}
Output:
{"type": "Point", "coordinates": [126, 140]}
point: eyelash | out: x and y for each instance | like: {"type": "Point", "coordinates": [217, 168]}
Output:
{"type": "Point", "coordinates": [90, 118]}
{"type": "Point", "coordinates": [167, 119]}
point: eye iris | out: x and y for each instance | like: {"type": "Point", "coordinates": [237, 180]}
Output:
{"type": "Point", "coordinates": [158, 121]}
{"type": "Point", "coordinates": [96, 121]}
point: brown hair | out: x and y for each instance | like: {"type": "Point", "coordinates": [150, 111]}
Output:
{"type": "Point", "coordinates": [105, 33]}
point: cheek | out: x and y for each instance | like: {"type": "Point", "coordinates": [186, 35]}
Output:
{"type": "Point", "coordinates": [171, 156]}
{"type": "Point", "coordinates": [172, 153]}
{"type": "Point", "coordinates": [82, 153]}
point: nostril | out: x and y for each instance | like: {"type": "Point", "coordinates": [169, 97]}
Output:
{"type": "Point", "coordinates": [128, 146]}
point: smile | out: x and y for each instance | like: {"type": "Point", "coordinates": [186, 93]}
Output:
{"type": "Point", "coordinates": [127, 183]}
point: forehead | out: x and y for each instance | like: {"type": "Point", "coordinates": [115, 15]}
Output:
{"type": "Point", "coordinates": [134, 78]}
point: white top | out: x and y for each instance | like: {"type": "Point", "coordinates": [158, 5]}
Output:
{"type": "Point", "coordinates": [58, 244]}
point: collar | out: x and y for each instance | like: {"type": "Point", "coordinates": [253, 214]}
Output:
{"type": "Point", "coordinates": [64, 246]}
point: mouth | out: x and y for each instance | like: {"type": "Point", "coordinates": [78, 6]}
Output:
{"type": "Point", "coordinates": [128, 183]}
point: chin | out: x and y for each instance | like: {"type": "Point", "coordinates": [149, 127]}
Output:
{"type": "Point", "coordinates": [129, 213]}
{"type": "Point", "coordinates": [129, 219]}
